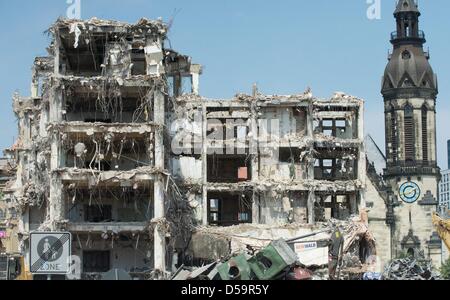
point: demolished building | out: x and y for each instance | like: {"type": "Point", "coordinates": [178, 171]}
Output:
{"type": "Point", "coordinates": [91, 147]}
{"type": "Point", "coordinates": [115, 150]}
{"type": "Point", "coordinates": [272, 160]}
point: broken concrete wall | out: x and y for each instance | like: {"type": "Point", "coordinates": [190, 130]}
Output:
{"type": "Point", "coordinates": [118, 59]}
{"type": "Point", "coordinates": [378, 222]}
{"type": "Point", "coordinates": [272, 169]}
{"type": "Point", "coordinates": [278, 209]}
{"type": "Point", "coordinates": [109, 207]}
{"type": "Point", "coordinates": [188, 169]}
{"type": "Point", "coordinates": [130, 252]}
{"type": "Point", "coordinates": [286, 122]}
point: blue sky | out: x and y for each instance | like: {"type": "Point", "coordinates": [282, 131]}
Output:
{"type": "Point", "coordinates": [284, 46]}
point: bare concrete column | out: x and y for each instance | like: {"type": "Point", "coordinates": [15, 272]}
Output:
{"type": "Point", "coordinates": [254, 151]}
{"type": "Point", "coordinates": [177, 85]}
{"type": "Point", "coordinates": [55, 152]}
{"type": "Point", "coordinates": [310, 135]}
{"type": "Point", "coordinates": [255, 178]}
{"type": "Point", "coordinates": [205, 166]}
{"type": "Point", "coordinates": [205, 205]}
{"type": "Point", "coordinates": [196, 71]}
{"type": "Point", "coordinates": [34, 84]}
{"type": "Point", "coordinates": [57, 210]}
{"type": "Point", "coordinates": [195, 82]}
{"type": "Point", "coordinates": [310, 162]}
{"type": "Point", "coordinates": [159, 237]}
{"type": "Point", "coordinates": [56, 105]}
{"type": "Point", "coordinates": [310, 204]}
{"type": "Point", "coordinates": [26, 123]}
{"type": "Point", "coordinates": [255, 209]}
{"type": "Point", "coordinates": [362, 163]}
{"type": "Point", "coordinates": [43, 122]}
{"type": "Point", "coordinates": [56, 51]}
{"type": "Point", "coordinates": [34, 90]}
{"type": "Point", "coordinates": [353, 204]}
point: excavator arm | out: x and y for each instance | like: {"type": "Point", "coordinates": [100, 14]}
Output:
{"type": "Point", "coordinates": [443, 228]}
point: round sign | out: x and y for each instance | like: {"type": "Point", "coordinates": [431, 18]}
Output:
{"type": "Point", "coordinates": [409, 192]}
{"type": "Point", "coordinates": [49, 249]}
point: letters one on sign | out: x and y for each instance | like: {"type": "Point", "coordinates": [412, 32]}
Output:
{"type": "Point", "coordinates": [50, 252]}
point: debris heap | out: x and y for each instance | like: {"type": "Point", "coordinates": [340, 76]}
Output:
{"type": "Point", "coordinates": [410, 269]}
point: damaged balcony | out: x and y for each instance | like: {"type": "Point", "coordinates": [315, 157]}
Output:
{"type": "Point", "coordinates": [87, 58]}
{"type": "Point", "coordinates": [109, 209]}
{"type": "Point", "coordinates": [108, 152]}
{"type": "Point", "coordinates": [94, 177]}
{"type": "Point", "coordinates": [97, 47]}
{"type": "Point", "coordinates": [108, 103]}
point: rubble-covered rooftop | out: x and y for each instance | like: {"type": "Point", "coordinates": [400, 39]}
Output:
{"type": "Point", "coordinates": [143, 26]}
{"type": "Point", "coordinates": [338, 98]}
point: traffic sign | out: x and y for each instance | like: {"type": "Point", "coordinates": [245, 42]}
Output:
{"type": "Point", "coordinates": [50, 252]}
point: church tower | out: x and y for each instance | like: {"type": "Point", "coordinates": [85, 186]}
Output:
{"type": "Point", "coordinates": [409, 89]}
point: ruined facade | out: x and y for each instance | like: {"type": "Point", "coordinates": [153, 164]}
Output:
{"type": "Point", "coordinates": [90, 152]}
{"type": "Point", "coordinates": [266, 160]}
{"type": "Point", "coordinates": [270, 159]}
{"type": "Point", "coordinates": [117, 147]}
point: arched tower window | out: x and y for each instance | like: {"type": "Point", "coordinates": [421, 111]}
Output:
{"type": "Point", "coordinates": [393, 136]}
{"type": "Point", "coordinates": [409, 135]}
{"type": "Point", "coordinates": [425, 133]}
{"type": "Point", "coordinates": [407, 29]}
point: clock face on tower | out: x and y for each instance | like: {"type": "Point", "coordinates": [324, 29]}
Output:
{"type": "Point", "coordinates": [409, 192]}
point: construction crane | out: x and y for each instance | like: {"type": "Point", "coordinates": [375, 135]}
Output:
{"type": "Point", "coordinates": [443, 229]}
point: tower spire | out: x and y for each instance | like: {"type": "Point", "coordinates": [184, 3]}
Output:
{"type": "Point", "coordinates": [409, 90]}
{"type": "Point", "coordinates": [407, 6]}
{"type": "Point", "coordinates": [408, 72]}
{"type": "Point", "coordinates": [408, 32]}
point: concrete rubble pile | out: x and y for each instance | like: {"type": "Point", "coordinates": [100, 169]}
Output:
{"type": "Point", "coordinates": [409, 269]}
{"type": "Point", "coordinates": [251, 252]}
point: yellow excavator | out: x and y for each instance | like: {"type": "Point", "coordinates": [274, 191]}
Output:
{"type": "Point", "coordinates": [12, 267]}
{"type": "Point", "coordinates": [443, 229]}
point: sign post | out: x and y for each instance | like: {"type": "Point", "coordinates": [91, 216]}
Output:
{"type": "Point", "coordinates": [50, 253]}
